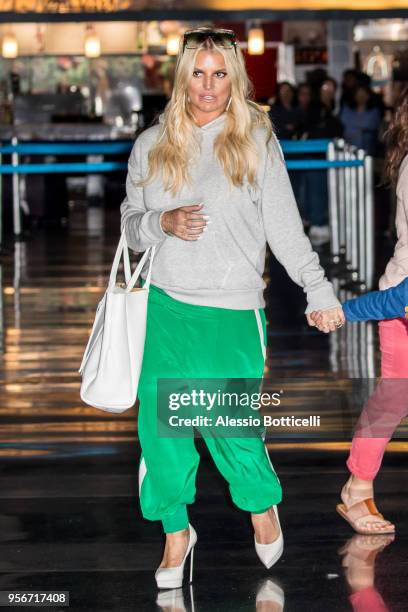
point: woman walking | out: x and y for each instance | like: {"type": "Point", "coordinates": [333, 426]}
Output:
{"type": "Point", "coordinates": [366, 453]}
{"type": "Point", "coordinates": [214, 152]}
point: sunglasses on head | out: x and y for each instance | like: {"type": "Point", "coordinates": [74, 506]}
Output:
{"type": "Point", "coordinates": [223, 38]}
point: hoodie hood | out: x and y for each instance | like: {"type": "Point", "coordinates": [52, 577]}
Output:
{"type": "Point", "coordinates": [212, 126]}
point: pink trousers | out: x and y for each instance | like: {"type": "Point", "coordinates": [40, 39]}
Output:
{"type": "Point", "coordinates": [366, 452]}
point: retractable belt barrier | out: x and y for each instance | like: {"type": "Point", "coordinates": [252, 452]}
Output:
{"type": "Point", "coordinates": [351, 206]}
{"type": "Point", "coordinates": [350, 189]}
{"type": "Point", "coordinates": [15, 149]}
{"type": "Point", "coordinates": [351, 214]}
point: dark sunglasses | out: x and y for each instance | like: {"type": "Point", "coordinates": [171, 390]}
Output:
{"type": "Point", "coordinates": [223, 38]}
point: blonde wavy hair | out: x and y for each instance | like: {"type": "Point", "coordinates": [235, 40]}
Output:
{"type": "Point", "coordinates": [234, 147]}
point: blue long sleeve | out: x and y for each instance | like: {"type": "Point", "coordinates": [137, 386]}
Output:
{"type": "Point", "coordinates": [378, 305]}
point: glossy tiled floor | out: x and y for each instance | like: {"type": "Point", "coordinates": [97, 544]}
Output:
{"type": "Point", "coordinates": [69, 517]}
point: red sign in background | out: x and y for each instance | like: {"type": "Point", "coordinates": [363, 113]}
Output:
{"type": "Point", "coordinates": [262, 69]}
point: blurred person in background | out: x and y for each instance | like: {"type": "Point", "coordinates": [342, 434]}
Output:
{"type": "Point", "coordinates": [328, 91]}
{"type": "Point", "coordinates": [348, 86]}
{"type": "Point", "coordinates": [361, 120]}
{"type": "Point", "coordinates": [317, 121]}
{"type": "Point", "coordinates": [297, 178]}
{"type": "Point", "coordinates": [284, 112]}
{"type": "Point", "coordinates": [304, 97]}
{"type": "Point", "coordinates": [377, 98]}
{"type": "Point", "coordinates": [285, 117]}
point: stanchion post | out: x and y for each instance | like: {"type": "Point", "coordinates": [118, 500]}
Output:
{"type": "Point", "coordinates": [16, 192]}
{"type": "Point", "coordinates": [1, 204]}
{"type": "Point", "coordinates": [363, 349]}
{"type": "Point", "coordinates": [353, 216]}
{"type": "Point", "coordinates": [370, 350]}
{"type": "Point", "coordinates": [362, 255]}
{"type": "Point", "coordinates": [348, 217]}
{"type": "Point", "coordinates": [369, 221]}
{"type": "Point", "coordinates": [333, 205]}
{"type": "Point", "coordinates": [341, 200]}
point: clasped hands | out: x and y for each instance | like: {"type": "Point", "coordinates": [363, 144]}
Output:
{"type": "Point", "coordinates": [326, 320]}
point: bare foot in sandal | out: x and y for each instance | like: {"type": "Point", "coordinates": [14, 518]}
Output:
{"type": "Point", "coordinates": [359, 510]}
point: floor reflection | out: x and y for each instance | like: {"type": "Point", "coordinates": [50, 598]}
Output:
{"type": "Point", "coordinates": [172, 600]}
{"type": "Point", "coordinates": [269, 597]}
{"type": "Point", "coordinates": [359, 556]}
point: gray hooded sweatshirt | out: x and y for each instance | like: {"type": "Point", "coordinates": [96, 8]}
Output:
{"type": "Point", "coordinates": [225, 267]}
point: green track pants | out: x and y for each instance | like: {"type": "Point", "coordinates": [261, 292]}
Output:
{"type": "Point", "coordinates": [189, 341]}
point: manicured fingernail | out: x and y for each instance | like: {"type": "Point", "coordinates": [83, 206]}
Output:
{"type": "Point", "coordinates": [199, 237]}
{"type": "Point", "coordinates": [205, 229]}
{"type": "Point", "coordinates": [206, 216]}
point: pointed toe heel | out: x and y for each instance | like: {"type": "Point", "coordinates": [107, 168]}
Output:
{"type": "Point", "coordinates": [269, 554]}
{"type": "Point", "coordinates": [172, 577]}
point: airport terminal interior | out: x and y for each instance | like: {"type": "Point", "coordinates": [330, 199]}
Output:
{"type": "Point", "coordinates": [70, 518]}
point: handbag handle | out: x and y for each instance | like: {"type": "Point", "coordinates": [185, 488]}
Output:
{"type": "Point", "coordinates": [126, 264]}
{"type": "Point", "coordinates": [116, 259]}
{"type": "Point", "coordinates": [130, 282]}
{"type": "Point", "coordinates": [151, 250]}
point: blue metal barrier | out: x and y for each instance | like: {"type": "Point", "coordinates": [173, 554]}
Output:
{"type": "Point", "coordinates": [320, 164]}
{"type": "Point", "coordinates": [92, 167]}
{"type": "Point", "coordinates": [319, 145]}
{"type": "Point", "coordinates": [125, 146]}
{"type": "Point", "coordinates": [64, 168]}
{"type": "Point", "coordinates": [15, 149]}
{"type": "Point", "coordinates": [76, 148]}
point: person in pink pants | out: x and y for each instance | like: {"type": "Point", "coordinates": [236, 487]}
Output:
{"type": "Point", "coordinates": [384, 410]}
{"type": "Point", "coordinates": [380, 417]}
{"type": "Point", "coordinates": [366, 453]}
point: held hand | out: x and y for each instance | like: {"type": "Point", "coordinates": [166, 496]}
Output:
{"type": "Point", "coordinates": [185, 222]}
{"type": "Point", "coordinates": [309, 318]}
{"type": "Point", "coordinates": [327, 320]}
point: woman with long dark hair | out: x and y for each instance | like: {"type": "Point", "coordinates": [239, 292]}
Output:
{"type": "Point", "coordinates": [284, 113]}
{"type": "Point", "coordinates": [366, 453]}
{"type": "Point", "coordinates": [213, 147]}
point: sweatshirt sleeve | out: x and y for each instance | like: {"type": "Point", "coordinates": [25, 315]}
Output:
{"type": "Point", "coordinates": [285, 234]}
{"type": "Point", "coordinates": [143, 227]}
{"type": "Point", "coordinates": [378, 305]}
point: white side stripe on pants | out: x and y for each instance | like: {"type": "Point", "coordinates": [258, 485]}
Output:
{"type": "Point", "coordinates": [142, 473]}
{"type": "Point", "coordinates": [261, 333]}
{"type": "Point", "coordinates": [262, 339]}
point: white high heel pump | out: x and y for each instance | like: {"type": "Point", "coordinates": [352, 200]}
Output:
{"type": "Point", "coordinates": [172, 577]}
{"type": "Point", "coordinates": [269, 554]}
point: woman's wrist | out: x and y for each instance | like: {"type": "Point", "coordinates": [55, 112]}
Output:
{"type": "Point", "coordinates": [164, 223]}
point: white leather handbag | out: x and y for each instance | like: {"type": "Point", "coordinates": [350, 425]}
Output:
{"type": "Point", "coordinates": [112, 360]}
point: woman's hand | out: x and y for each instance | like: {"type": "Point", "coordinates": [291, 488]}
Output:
{"type": "Point", "coordinates": [327, 320]}
{"type": "Point", "coordinates": [185, 222]}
